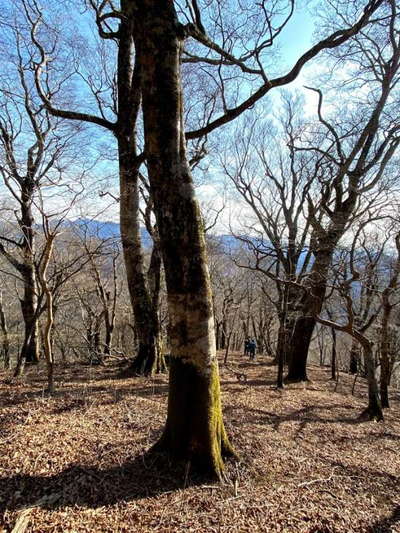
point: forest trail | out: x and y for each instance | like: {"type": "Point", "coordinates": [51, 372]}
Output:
{"type": "Point", "coordinates": [77, 461]}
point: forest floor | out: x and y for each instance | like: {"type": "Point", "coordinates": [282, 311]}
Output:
{"type": "Point", "coordinates": [77, 461]}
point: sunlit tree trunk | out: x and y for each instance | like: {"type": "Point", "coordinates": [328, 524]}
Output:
{"type": "Point", "coordinates": [48, 328]}
{"type": "Point", "coordinates": [194, 429]}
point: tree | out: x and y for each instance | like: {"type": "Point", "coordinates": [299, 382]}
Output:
{"type": "Point", "coordinates": [359, 153]}
{"type": "Point", "coordinates": [194, 428]}
{"type": "Point", "coordinates": [274, 180]}
{"type": "Point", "coordinates": [357, 323]}
{"type": "Point", "coordinates": [34, 148]}
{"type": "Point", "coordinates": [5, 348]}
{"type": "Point", "coordinates": [122, 111]}
{"type": "Point", "coordinates": [386, 350]}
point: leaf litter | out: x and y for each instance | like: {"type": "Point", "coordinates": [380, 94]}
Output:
{"type": "Point", "coordinates": [78, 461]}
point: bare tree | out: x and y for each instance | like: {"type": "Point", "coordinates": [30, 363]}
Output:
{"type": "Point", "coordinates": [386, 352]}
{"type": "Point", "coordinates": [349, 281]}
{"type": "Point", "coordinates": [194, 428]}
{"type": "Point", "coordinates": [33, 147]}
{"type": "Point", "coordinates": [5, 342]}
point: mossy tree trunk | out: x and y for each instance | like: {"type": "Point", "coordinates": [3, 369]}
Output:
{"type": "Point", "coordinates": [194, 430]}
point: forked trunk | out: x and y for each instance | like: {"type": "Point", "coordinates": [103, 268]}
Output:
{"type": "Point", "coordinates": [146, 360]}
{"type": "Point", "coordinates": [129, 95]}
{"type": "Point", "coordinates": [194, 430]}
{"type": "Point", "coordinates": [311, 306]}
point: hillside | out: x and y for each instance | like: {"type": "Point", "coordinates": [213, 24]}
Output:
{"type": "Point", "coordinates": [76, 462]}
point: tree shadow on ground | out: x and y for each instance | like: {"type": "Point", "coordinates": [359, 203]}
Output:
{"type": "Point", "coordinates": [304, 416]}
{"type": "Point", "coordinates": [386, 524]}
{"type": "Point", "coordinates": [145, 476]}
{"type": "Point", "coordinates": [77, 397]}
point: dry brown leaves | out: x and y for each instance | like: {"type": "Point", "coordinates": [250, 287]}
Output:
{"type": "Point", "coordinates": [76, 462]}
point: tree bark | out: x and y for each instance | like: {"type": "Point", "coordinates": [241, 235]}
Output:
{"type": "Point", "coordinates": [354, 358]}
{"type": "Point", "coordinates": [47, 334]}
{"type": "Point", "coordinates": [194, 429]}
{"type": "Point", "coordinates": [384, 353]}
{"type": "Point", "coordinates": [29, 351]}
{"type": "Point", "coordinates": [5, 340]}
{"type": "Point", "coordinates": [146, 319]}
{"type": "Point", "coordinates": [309, 307]}
{"type": "Point", "coordinates": [334, 354]}
{"type": "Point", "coordinates": [374, 409]}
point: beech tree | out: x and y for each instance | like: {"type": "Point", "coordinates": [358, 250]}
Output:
{"type": "Point", "coordinates": [356, 282]}
{"type": "Point", "coordinates": [360, 154]}
{"type": "Point", "coordinates": [158, 33]}
{"type": "Point", "coordinates": [34, 149]}
{"type": "Point", "coordinates": [194, 427]}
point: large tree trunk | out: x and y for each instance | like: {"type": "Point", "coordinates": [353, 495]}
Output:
{"type": "Point", "coordinates": [194, 429]}
{"type": "Point", "coordinates": [29, 351]}
{"type": "Point", "coordinates": [144, 312]}
{"type": "Point", "coordinates": [299, 346]}
{"type": "Point", "coordinates": [129, 91]}
{"type": "Point", "coordinates": [310, 307]}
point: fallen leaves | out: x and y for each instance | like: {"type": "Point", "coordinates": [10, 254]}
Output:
{"type": "Point", "coordinates": [76, 462]}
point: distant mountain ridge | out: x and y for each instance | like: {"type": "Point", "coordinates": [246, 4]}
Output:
{"type": "Point", "coordinates": [105, 229]}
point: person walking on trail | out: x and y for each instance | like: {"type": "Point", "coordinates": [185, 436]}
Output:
{"type": "Point", "coordinates": [247, 346]}
{"type": "Point", "coordinates": [252, 349]}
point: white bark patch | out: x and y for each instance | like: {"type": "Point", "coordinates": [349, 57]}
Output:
{"type": "Point", "coordinates": [192, 330]}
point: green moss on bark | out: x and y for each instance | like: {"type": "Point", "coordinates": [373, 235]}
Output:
{"type": "Point", "coordinates": [195, 430]}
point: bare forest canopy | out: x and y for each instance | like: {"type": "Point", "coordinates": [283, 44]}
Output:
{"type": "Point", "coordinates": [189, 189]}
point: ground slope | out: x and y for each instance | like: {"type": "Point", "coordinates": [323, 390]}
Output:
{"type": "Point", "coordinates": [76, 462]}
